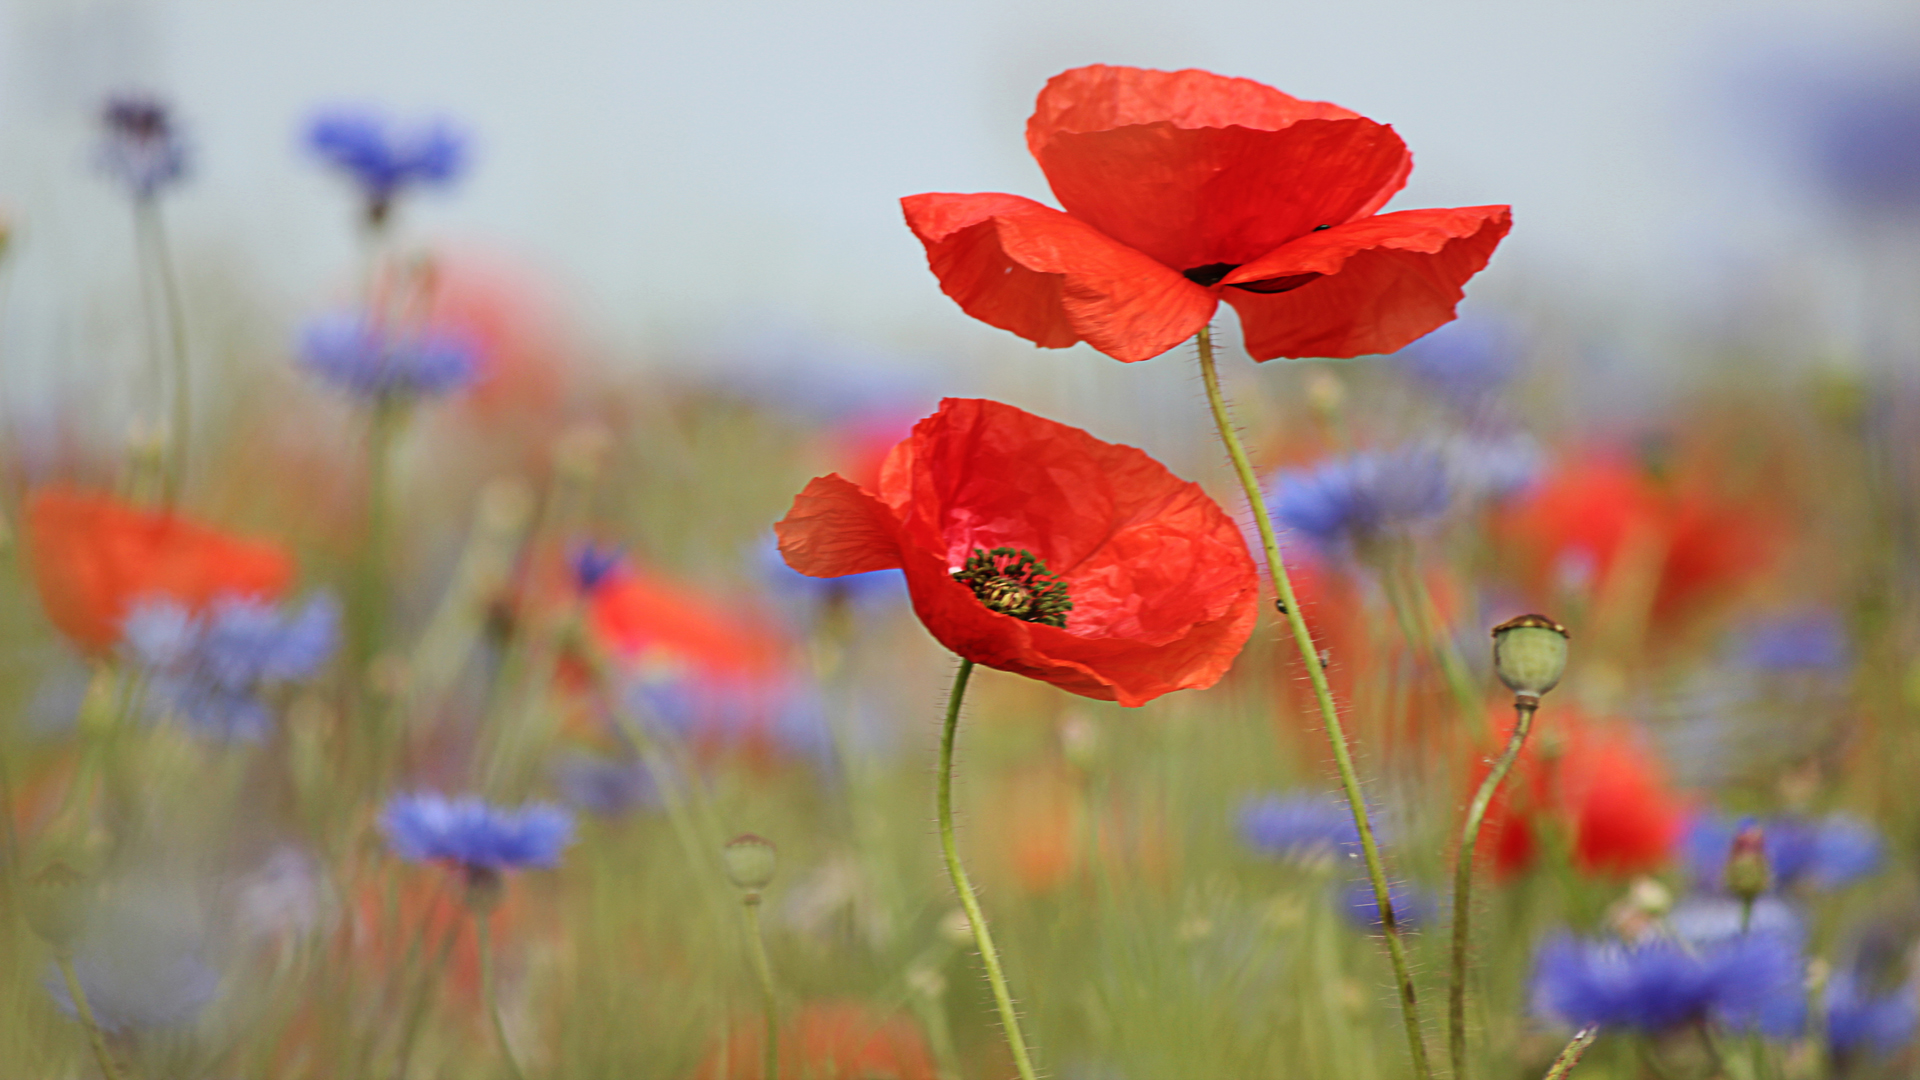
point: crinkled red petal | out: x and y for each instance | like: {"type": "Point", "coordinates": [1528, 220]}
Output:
{"type": "Point", "coordinates": [1195, 197]}
{"type": "Point", "coordinates": [1027, 268]}
{"type": "Point", "coordinates": [1388, 279]}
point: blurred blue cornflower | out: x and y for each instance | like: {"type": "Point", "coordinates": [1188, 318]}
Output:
{"type": "Point", "coordinates": [1862, 134]}
{"type": "Point", "coordinates": [1349, 500]}
{"type": "Point", "coordinates": [593, 563]}
{"type": "Point", "coordinates": [1465, 361]}
{"type": "Point", "coordinates": [475, 836]}
{"type": "Point", "coordinates": [372, 361]}
{"type": "Point", "coordinates": [141, 150]}
{"type": "Point", "coordinates": [805, 597]}
{"type": "Point", "coordinates": [1658, 984]}
{"type": "Point", "coordinates": [138, 989]}
{"type": "Point", "coordinates": [1820, 854]}
{"type": "Point", "coordinates": [786, 716]}
{"type": "Point", "coordinates": [606, 786]}
{"type": "Point", "coordinates": [213, 669]}
{"type": "Point", "coordinates": [1298, 826]}
{"type": "Point", "coordinates": [1858, 1020]}
{"type": "Point", "coordinates": [384, 158]}
{"type": "Point", "coordinates": [1708, 919]}
{"type": "Point", "coordinates": [1412, 906]}
{"type": "Point", "coordinates": [1492, 467]}
{"type": "Point", "coordinates": [1810, 641]}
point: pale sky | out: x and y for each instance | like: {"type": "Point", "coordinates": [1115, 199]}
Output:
{"type": "Point", "coordinates": [680, 170]}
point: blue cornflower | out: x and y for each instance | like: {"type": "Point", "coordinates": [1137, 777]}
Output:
{"type": "Point", "coordinates": [1659, 984]}
{"type": "Point", "coordinates": [608, 787]}
{"type": "Point", "coordinates": [1412, 906]}
{"type": "Point", "coordinates": [1860, 1021]}
{"type": "Point", "coordinates": [806, 597]}
{"type": "Point", "coordinates": [141, 149]}
{"type": "Point", "coordinates": [1863, 136]}
{"type": "Point", "coordinates": [1298, 826]}
{"type": "Point", "coordinates": [1466, 361]}
{"type": "Point", "coordinates": [214, 669]}
{"type": "Point", "coordinates": [593, 564]}
{"type": "Point", "coordinates": [783, 715]}
{"type": "Point", "coordinates": [1492, 467]}
{"type": "Point", "coordinates": [1810, 641]}
{"type": "Point", "coordinates": [475, 836]}
{"type": "Point", "coordinates": [1820, 854]}
{"type": "Point", "coordinates": [1352, 499]}
{"type": "Point", "coordinates": [374, 361]}
{"type": "Point", "coordinates": [138, 989]}
{"type": "Point", "coordinates": [384, 158]}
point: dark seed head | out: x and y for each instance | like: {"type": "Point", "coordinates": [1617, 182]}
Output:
{"type": "Point", "coordinates": [1012, 582]}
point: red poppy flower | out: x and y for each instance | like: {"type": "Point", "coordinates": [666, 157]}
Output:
{"type": "Point", "coordinates": [1600, 785]}
{"type": "Point", "coordinates": [1185, 188]}
{"type": "Point", "coordinates": [93, 557]}
{"type": "Point", "coordinates": [1596, 515]}
{"type": "Point", "coordinates": [1033, 547]}
{"type": "Point", "coordinates": [829, 1040]}
{"type": "Point", "coordinates": [652, 624]}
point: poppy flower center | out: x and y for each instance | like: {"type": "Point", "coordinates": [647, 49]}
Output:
{"type": "Point", "coordinates": [1209, 275]}
{"type": "Point", "coordinates": [1012, 582]}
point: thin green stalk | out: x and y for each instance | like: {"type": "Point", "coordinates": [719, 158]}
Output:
{"type": "Point", "coordinates": [491, 992]}
{"type": "Point", "coordinates": [1571, 1054]}
{"type": "Point", "coordinates": [1446, 653]}
{"type": "Point", "coordinates": [383, 425]}
{"type": "Point", "coordinates": [1329, 713]}
{"type": "Point", "coordinates": [153, 236]}
{"type": "Point", "coordinates": [976, 919]}
{"type": "Point", "coordinates": [763, 969]}
{"type": "Point", "coordinates": [85, 1009]}
{"type": "Point", "coordinates": [1523, 708]}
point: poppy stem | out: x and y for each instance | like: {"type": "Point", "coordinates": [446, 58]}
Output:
{"type": "Point", "coordinates": [1523, 708]}
{"type": "Point", "coordinates": [976, 919]}
{"type": "Point", "coordinates": [763, 969]}
{"type": "Point", "coordinates": [87, 1020]}
{"type": "Point", "coordinates": [1570, 1055]}
{"type": "Point", "coordinates": [1329, 713]}
{"type": "Point", "coordinates": [490, 990]}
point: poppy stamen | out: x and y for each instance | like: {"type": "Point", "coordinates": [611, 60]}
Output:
{"type": "Point", "coordinates": [1012, 582]}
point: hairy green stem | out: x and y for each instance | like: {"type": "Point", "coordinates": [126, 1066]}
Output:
{"type": "Point", "coordinates": [1523, 708]}
{"type": "Point", "coordinates": [491, 992]}
{"type": "Point", "coordinates": [1329, 713]}
{"type": "Point", "coordinates": [763, 969]}
{"type": "Point", "coordinates": [85, 1009]}
{"type": "Point", "coordinates": [1571, 1054]}
{"type": "Point", "coordinates": [976, 919]}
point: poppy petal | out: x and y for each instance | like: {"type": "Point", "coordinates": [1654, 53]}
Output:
{"type": "Point", "coordinates": [1384, 281]}
{"type": "Point", "coordinates": [1201, 197]}
{"type": "Point", "coordinates": [1100, 98]}
{"type": "Point", "coordinates": [1021, 266]}
{"type": "Point", "coordinates": [836, 528]}
{"type": "Point", "coordinates": [94, 557]}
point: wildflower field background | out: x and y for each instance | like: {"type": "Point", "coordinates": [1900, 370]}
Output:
{"type": "Point", "coordinates": [592, 646]}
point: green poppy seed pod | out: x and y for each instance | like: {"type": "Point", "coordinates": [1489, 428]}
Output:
{"type": "Point", "coordinates": [1530, 654]}
{"type": "Point", "coordinates": [750, 862]}
{"type": "Point", "coordinates": [57, 903]}
{"type": "Point", "coordinates": [1748, 873]}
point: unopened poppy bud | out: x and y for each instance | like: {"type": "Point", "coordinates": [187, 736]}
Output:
{"type": "Point", "coordinates": [749, 861]}
{"type": "Point", "coordinates": [1530, 654]}
{"type": "Point", "coordinates": [57, 902]}
{"type": "Point", "coordinates": [1748, 873]}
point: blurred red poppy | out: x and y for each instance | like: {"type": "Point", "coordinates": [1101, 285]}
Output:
{"type": "Point", "coordinates": [93, 557]}
{"type": "Point", "coordinates": [1601, 517]}
{"type": "Point", "coordinates": [654, 625]}
{"type": "Point", "coordinates": [1600, 786]}
{"type": "Point", "coordinates": [1035, 548]}
{"type": "Point", "coordinates": [829, 1040]}
{"type": "Point", "coordinates": [1185, 188]}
